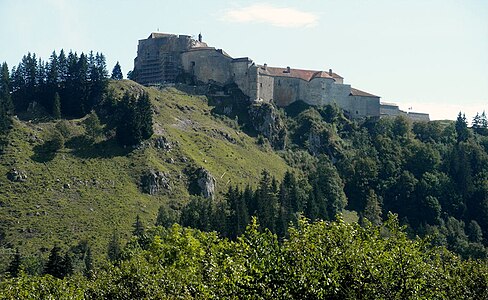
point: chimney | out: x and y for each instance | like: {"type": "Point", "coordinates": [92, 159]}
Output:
{"type": "Point", "coordinates": [265, 66]}
{"type": "Point", "coordinates": [330, 72]}
{"type": "Point", "coordinates": [287, 69]}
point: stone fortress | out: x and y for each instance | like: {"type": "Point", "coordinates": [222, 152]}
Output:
{"type": "Point", "coordinates": [162, 58]}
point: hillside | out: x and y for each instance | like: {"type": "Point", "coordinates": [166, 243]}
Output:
{"type": "Point", "coordinates": [86, 192]}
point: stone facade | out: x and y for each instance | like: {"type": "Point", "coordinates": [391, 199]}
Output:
{"type": "Point", "coordinates": [161, 58]}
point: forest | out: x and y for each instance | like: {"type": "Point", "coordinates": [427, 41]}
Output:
{"type": "Point", "coordinates": [419, 190]}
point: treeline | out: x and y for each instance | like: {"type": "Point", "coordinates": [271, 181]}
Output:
{"type": "Point", "coordinates": [69, 84]}
{"type": "Point", "coordinates": [320, 260]}
{"type": "Point", "coordinates": [276, 204]}
{"type": "Point", "coordinates": [432, 174]}
{"type": "Point", "coordinates": [72, 86]}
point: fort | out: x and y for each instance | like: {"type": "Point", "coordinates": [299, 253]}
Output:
{"type": "Point", "coordinates": [163, 58]}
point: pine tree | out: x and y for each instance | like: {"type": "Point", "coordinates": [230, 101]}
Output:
{"type": "Point", "coordinates": [117, 72]}
{"type": "Point", "coordinates": [113, 249]}
{"type": "Point", "coordinates": [6, 106]}
{"type": "Point", "coordinates": [88, 261]}
{"type": "Point", "coordinates": [67, 265]}
{"type": "Point", "coordinates": [484, 120]}
{"type": "Point", "coordinates": [56, 106]}
{"type": "Point", "coordinates": [461, 128]}
{"type": "Point", "coordinates": [166, 216]}
{"type": "Point", "coordinates": [138, 230]}
{"type": "Point", "coordinates": [55, 264]}
{"type": "Point", "coordinates": [144, 114]}
{"type": "Point", "coordinates": [14, 266]}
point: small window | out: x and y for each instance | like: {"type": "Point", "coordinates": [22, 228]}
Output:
{"type": "Point", "coordinates": [279, 82]}
{"type": "Point", "coordinates": [357, 112]}
{"type": "Point", "coordinates": [260, 84]}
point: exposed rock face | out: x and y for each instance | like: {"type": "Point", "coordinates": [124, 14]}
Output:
{"type": "Point", "coordinates": [206, 183]}
{"type": "Point", "coordinates": [163, 143]}
{"type": "Point", "coordinates": [155, 182]}
{"type": "Point", "coordinates": [267, 121]}
{"type": "Point", "coordinates": [16, 175]}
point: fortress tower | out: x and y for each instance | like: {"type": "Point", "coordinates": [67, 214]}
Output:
{"type": "Point", "coordinates": [159, 57]}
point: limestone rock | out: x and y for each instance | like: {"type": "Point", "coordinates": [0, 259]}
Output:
{"type": "Point", "coordinates": [205, 182]}
{"type": "Point", "coordinates": [16, 175]}
{"type": "Point", "coordinates": [155, 182]}
{"type": "Point", "coordinates": [266, 120]}
{"type": "Point", "coordinates": [163, 143]}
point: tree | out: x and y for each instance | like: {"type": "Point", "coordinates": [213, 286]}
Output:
{"type": "Point", "coordinates": [88, 261]}
{"type": "Point", "coordinates": [117, 72]}
{"type": "Point", "coordinates": [145, 118]}
{"type": "Point", "coordinates": [372, 210]}
{"type": "Point", "coordinates": [462, 131]}
{"type": "Point", "coordinates": [113, 249]}
{"type": "Point", "coordinates": [93, 127]}
{"type": "Point", "coordinates": [6, 106]}
{"type": "Point", "coordinates": [166, 216]}
{"type": "Point", "coordinates": [14, 266]}
{"type": "Point", "coordinates": [138, 227]}
{"type": "Point", "coordinates": [134, 119]}
{"type": "Point", "coordinates": [57, 106]}
{"type": "Point", "coordinates": [55, 264]}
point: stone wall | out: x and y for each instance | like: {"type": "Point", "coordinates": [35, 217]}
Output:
{"type": "Point", "coordinates": [207, 65]}
{"type": "Point", "coordinates": [266, 88]}
{"type": "Point", "coordinates": [286, 90]}
{"type": "Point", "coordinates": [362, 106]}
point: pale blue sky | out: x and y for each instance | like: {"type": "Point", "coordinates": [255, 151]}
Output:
{"type": "Point", "coordinates": [431, 55]}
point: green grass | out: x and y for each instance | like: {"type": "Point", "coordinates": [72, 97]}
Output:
{"type": "Point", "coordinates": [103, 193]}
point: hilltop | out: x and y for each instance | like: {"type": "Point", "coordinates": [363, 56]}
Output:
{"type": "Point", "coordinates": [87, 192]}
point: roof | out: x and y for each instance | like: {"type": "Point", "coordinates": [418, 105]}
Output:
{"type": "Point", "coordinates": [209, 49]}
{"type": "Point", "coordinates": [356, 92]}
{"type": "Point", "coordinates": [306, 75]}
{"type": "Point", "coordinates": [155, 35]}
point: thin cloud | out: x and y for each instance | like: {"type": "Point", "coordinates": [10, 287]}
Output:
{"type": "Point", "coordinates": [268, 14]}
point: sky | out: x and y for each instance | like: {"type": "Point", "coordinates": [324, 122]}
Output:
{"type": "Point", "coordinates": [425, 55]}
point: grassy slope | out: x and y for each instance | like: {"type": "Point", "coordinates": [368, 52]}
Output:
{"type": "Point", "coordinates": [103, 193]}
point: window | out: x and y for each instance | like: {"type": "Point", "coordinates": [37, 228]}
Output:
{"type": "Point", "coordinates": [260, 84]}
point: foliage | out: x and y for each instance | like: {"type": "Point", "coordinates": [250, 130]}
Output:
{"type": "Point", "coordinates": [320, 260]}
{"type": "Point", "coordinates": [117, 72]}
{"type": "Point", "coordinates": [135, 119]}
{"type": "Point", "coordinates": [80, 81]}
{"type": "Point", "coordinates": [93, 127]}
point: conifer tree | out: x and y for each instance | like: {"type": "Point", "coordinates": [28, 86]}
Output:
{"type": "Point", "coordinates": [14, 266]}
{"type": "Point", "coordinates": [113, 249]}
{"type": "Point", "coordinates": [56, 106]}
{"type": "Point", "coordinates": [55, 264]}
{"type": "Point", "coordinates": [88, 262]}
{"type": "Point", "coordinates": [117, 72]}
{"type": "Point", "coordinates": [138, 228]}
{"type": "Point", "coordinates": [462, 128]}
{"type": "Point", "coordinates": [144, 114]}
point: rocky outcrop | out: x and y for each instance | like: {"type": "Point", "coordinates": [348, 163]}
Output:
{"type": "Point", "coordinates": [162, 143]}
{"type": "Point", "coordinates": [205, 182]}
{"type": "Point", "coordinates": [155, 182]}
{"type": "Point", "coordinates": [16, 175]}
{"type": "Point", "coordinates": [266, 120]}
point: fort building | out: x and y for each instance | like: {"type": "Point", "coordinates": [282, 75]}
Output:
{"type": "Point", "coordinates": [162, 57]}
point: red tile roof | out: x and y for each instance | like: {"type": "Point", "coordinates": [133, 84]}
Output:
{"type": "Point", "coordinates": [356, 92]}
{"type": "Point", "coordinates": [306, 75]}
